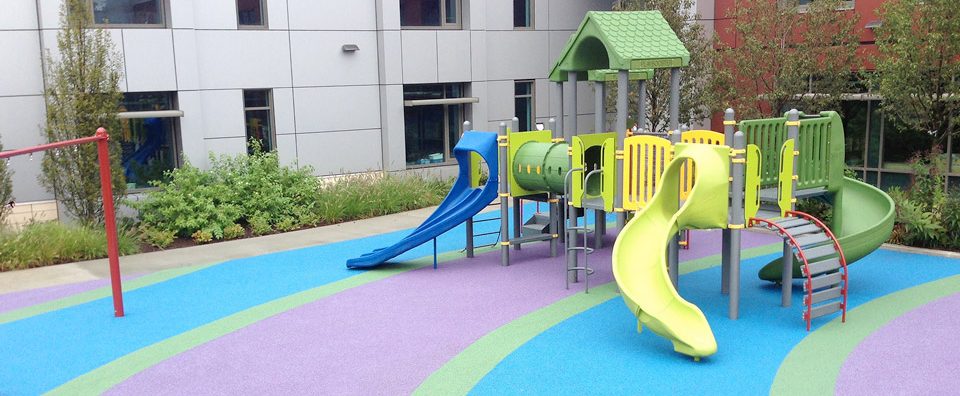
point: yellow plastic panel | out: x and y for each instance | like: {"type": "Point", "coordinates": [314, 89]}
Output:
{"type": "Point", "coordinates": [644, 159]}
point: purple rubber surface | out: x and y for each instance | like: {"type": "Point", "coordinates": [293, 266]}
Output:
{"type": "Point", "coordinates": [385, 337]}
{"type": "Point", "coordinates": [914, 354]}
{"type": "Point", "coordinates": [26, 298]}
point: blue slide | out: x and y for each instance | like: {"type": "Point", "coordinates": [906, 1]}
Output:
{"type": "Point", "coordinates": [461, 203]}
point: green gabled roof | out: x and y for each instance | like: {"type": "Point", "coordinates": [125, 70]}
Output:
{"type": "Point", "coordinates": [620, 40]}
{"type": "Point", "coordinates": [611, 75]}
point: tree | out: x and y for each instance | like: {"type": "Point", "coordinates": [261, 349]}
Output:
{"type": "Point", "coordinates": [782, 58]}
{"type": "Point", "coordinates": [918, 64]}
{"type": "Point", "coordinates": [6, 189]}
{"type": "Point", "coordinates": [82, 95]}
{"type": "Point", "coordinates": [697, 94]}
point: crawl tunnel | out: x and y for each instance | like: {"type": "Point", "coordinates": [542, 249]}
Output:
{"type": "Point", "coordinates": [540, 166]}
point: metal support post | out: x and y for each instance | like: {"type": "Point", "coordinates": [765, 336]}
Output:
{"type": "Point", "coordinates": [600, 104]}
{"type": "Point", "coordinates": [504, 195]}
{"type": "Point", "coordinates": [642, 107]}
{"type": "Point", "coordinates": [569, 130]}
{"type": "Point", "coordinates": [623, 87]}
{"type": "Point", "coordinates": [557, 125]}
{"type": "Point", "coordinates": [793, 131]}
{"type": "Point", "coordinates": [470, 233]}
{"type": "Point", "coordinates": [737, 219]}
{"type": "Point", "coordinates": [729, 123]}
{"type": "Point", "coordinates": [517, 220]}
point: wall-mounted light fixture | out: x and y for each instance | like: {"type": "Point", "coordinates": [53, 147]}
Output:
{"type": "Point", "coordinates": [350, 48]}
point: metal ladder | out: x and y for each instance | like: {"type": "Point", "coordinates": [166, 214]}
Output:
{"type": "Point", "coordinates": [824, 265]}
{"type": "Point", "coordinates": [483, 234]}
{"type": "Point", "coordinates": [571, 243]}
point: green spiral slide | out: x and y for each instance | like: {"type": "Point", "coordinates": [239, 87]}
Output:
{"type": "Point", "coordinates": [639, 254]}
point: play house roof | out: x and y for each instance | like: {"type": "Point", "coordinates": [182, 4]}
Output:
{"type": "Point", "coordinates": [620, 40]}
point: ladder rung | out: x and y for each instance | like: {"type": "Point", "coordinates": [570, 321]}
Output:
{"type": "Point", "coordinates": [806, 229]}
{"type": "Point", "coordinates": [825, 309]}
{"type": "Point", "coordinates": [823, 281]}
{"type": "Point", "coordinates": [811, 239]}
{"type": "Point", "coordinates": [819, 251]}
{"type": "Point", "coordinates": [820, 267]}
{"type": "Point", "coordinates": [823, 295]}
{"type": "Point", "coordinates": [588, 250]}
{"type": "Point", "coordinates": [485, 234]}
{"type": "Point", "coordinates": [788, 222]}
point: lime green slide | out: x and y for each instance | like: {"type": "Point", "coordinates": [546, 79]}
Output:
{"type": "Point", "coordinates": [863, 218]}
{"type": "Point", "coordinates": [639, 254]}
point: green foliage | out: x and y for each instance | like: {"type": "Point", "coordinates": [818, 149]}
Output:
{"type": "Point", "coordinates": [233, 231]}
{"type": "Point", "coordinates": [918, 63]}
{"type": "Point", "coordinates": [698, 96]}
{"type": "Point", "coordinates": [82, 94]}
{"type": "Point", "coordinates": [6, 189]}
{"type": "Point", "coordinates": [781, 54]}
{"type": "Point", "coordinates": [259, 225]}
{"type": "Point", "coordinates": [202, 237]}
{"type": "Point", "coordinates": [257, 191]}
{"type": "Point", "coordinates": [191, 200]}
{"type": "Point", "coordinates": [40, 244]}
{"type": "Point", "coordinates": [816, 207]}
{"type": "Point", "coordinates": [928, 215]}
{"type": "Point", "coordinates": [158, 238]}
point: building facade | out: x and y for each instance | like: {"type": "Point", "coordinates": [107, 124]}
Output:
{"type": "Point", "coordinates": [340, 86]}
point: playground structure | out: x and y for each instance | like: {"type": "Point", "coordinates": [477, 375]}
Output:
{"type": "Point", "coordinates": [748, 176]}
{"type": "Point", "coordinates": [101, 138]}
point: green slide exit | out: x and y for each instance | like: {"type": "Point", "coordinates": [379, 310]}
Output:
{"type": "Point", "coordinates": [639, 254]}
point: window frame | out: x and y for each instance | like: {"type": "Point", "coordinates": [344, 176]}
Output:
{"type": "Point", "coordinates": [164, 13]}
{"type": "Point", "coordinates": [465, 109]}
{"type": "Point", "coordinates": [533, 101]}
{"type": "Point", "coordinates": [845, 5]}
{"type": "Point", "coordinates": [176, 131]}
{"type": "Point", "coordinates": [444, 25]}
{"type": "Point", "coordinates": [270, 108]}
{"type": "Point", "coordinates": [531, 12]}
{"type": "Point", "coordinates": [263, 14]}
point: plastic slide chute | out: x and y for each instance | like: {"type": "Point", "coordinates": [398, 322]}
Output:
{"type": "Point", "coordinates": [639, 254]}
{"type": "Point", "coordinates": [463, 202]}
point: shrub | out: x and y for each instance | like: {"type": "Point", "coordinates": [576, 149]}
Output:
{"type": "Point", "coordinates": [202, 237]}
{"type": "Point", "coordinates": [928, 214]}
{"type": "Point", "coordinates": [40, 244]}
{"type": "Point", "coordinates": [158, 238]}
{"type": "Point", "coordinates": [260, 226]}
{"type": "Point", "coordinates": [233, 231]}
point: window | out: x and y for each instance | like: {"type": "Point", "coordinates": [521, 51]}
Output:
{"type": "Point", "coordinates": [803, 4]}
{"type": "Point", "coordinates": [430, 13]}
{"type": "Point", "coordinates": [251, 14]}
{"type": "Point", "coordinates": [523, 104]}
{"type": "Point", "coordinates": [258, 112]}
{"type": "Point", "coordinates": [523, 13]}
{"type": "Point", "coordinates": [433, 116]}
{"type": "Point", "coordinates": [128, 12]}
{"type": "Point", "coordinates": [149, 141]}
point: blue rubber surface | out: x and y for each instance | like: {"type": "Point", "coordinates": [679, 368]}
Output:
{"type": "Point", "coordinates": [44, 351]}
{"type": "Point", "coordinates": [600, 352]}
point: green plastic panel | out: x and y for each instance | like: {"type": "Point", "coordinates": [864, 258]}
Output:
{"type": "Point", "coordinates": [610, 75]}
{"type": "Point", "coordinates": [785, 183]}
{"type": "Point", "coordinates": [751, 197]}
{"type": "Point", "coordinates": [515, 140]}
{"type": "Point", "coordinates": [476, 170]}
{"type": "Point", "coordinates": [767, 134]}
{"type": "Point", "coordinates": [620, 40]}
{"type": "Point", "coordinates": [588, 152]}
{"type": "Point", "coordinates": [608, 187]}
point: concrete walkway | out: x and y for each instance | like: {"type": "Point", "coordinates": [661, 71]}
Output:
{"type": "Point", "coordinates": [139, 264]}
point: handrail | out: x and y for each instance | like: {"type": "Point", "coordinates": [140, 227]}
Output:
{"type": "Point", "coordinates": [836, 245]}
{"type": "Point", "coordinates": [586, 179]}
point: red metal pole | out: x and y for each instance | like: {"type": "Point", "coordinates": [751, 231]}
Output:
{"type": "Point", "coordinates": [109, 216]}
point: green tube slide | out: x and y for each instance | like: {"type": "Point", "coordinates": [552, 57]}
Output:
{"type": "Point", "coordinates": [863, 218]}
{"type": "Point", "coordinates": [639, 254]}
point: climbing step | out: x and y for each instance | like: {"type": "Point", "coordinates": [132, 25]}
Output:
{"type": "Point", "coordinates": [806, 229]}
{"type": "Point", "coordinates": [788, 222]}
{"type": "Point", "coordinates": [825, 309]}
{"type": "Point", "coordinates": [812, 239]}
{"type": "Point", "coordinates": [815, 253]}
{"type": "Point", "coordinates": [823, 281]}
{"type": "Point", "coordinates": [820, 267]}
{"type": "Point", "coordinates": [824, 295]}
